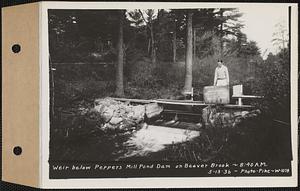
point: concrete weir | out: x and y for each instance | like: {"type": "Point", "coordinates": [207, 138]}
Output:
{"type": "Point", "coordinates": [150, 127]}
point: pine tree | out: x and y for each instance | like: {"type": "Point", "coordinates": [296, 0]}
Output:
{"type": "Point", "coordinates": [189, 53]}
{"type": "Point", "coordinates": [119, 69]}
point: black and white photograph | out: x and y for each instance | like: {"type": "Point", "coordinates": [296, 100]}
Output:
{"type": "Point", "coordinates": [170, 92]}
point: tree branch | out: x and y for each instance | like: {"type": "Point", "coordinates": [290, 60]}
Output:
{"type": "Point", "coordinates": [144, 19]}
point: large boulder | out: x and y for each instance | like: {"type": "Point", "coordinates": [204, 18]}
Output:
{"type": "Point", "coordinates": [153, 109]}
{"type": "Point", "coordinates": [137, 112]}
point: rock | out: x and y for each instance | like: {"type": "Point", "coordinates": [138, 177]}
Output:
{"type": "Point", "coordinates": [109, 126]}
{"type": "Point", "coordinates": [244, 113]}
{"type": "Point", "coordinates": [115, 120]}
{"type": "Point", "coordinates": [153, 109]}
{"type": "Point", "coordinates": [123, 116]}
{"type": "Point", "coordinates": [107, 113]}
{"type": "Point", "coordinates": [207, 114]}
{"type": "Point", "coordinates": [199, 125]}
{"type": "Point", "coordinates": [138, 112]}
{"type": "Point", "coordinates": [213, 116]}
{"type": "Point", "coordinates": [128, 124]}
{"type": "Point", "coordinates": [122, 111]}
{"type": "Point", "coordinates": [227, 119]}
{"type": "Point", "coordinates": [98, 108]}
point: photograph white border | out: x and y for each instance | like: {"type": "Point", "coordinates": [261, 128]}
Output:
{"type": "Point", "coordinates": [159, 182]}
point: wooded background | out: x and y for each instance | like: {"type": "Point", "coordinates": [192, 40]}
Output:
{"type": "Point", "coordinates": [160, 54]}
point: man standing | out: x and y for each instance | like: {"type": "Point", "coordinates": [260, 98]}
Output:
{"type": "Point", "coordinates": [221, 75]}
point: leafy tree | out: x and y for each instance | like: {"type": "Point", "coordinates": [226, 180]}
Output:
{"type": "Point", "coordinates": [280, 36]}
{"type": "Point", "coordinates": [273, 82]}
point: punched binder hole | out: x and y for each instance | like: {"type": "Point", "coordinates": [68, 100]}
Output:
{"type": "Point", "coordinates": [16, 48]}
{"type": "Point", "coordinates": [17, 150]}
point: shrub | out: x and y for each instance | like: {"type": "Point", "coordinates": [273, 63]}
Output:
{"type": "Point", "coordinates": [273, 82]}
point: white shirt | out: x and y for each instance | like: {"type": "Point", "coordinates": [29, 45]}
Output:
{"type": "Point", "coordinates": [221, 73]}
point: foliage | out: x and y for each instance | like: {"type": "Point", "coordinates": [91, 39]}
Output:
{"type": "Point", "coordinates": [90, 36]}
{"type": "Point", "coordinates": [74, 38]}
{"type": "Point", "coordinates": [273, 83]}
{"type": "Point", "coordinates": [280, 36]}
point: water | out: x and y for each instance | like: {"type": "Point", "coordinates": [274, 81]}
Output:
{"type": "Point", "coordinates": [152, 139]}
{"type": "Point", "coordinates": [85, 142]}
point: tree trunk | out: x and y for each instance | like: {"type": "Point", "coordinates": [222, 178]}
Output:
{"type": "Point", "coordinates": [221, 36]}
{"type": "Point", "coordinates": [153, 52]}
{"type": "Point", "coordinates": [149, 46]}
{"type": "Point", "coordinates": [194, 44]}
{"type": "Point", "coordinates": [174, 42]}
{"type": "Point", "coordinates": [189, 55]}
{"type": "Point", "coordinates": [174, 46]}
{"type": "Point", "coordinates": [119, 71]}
{"type": "Point", "coordinates": [52, 88]}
